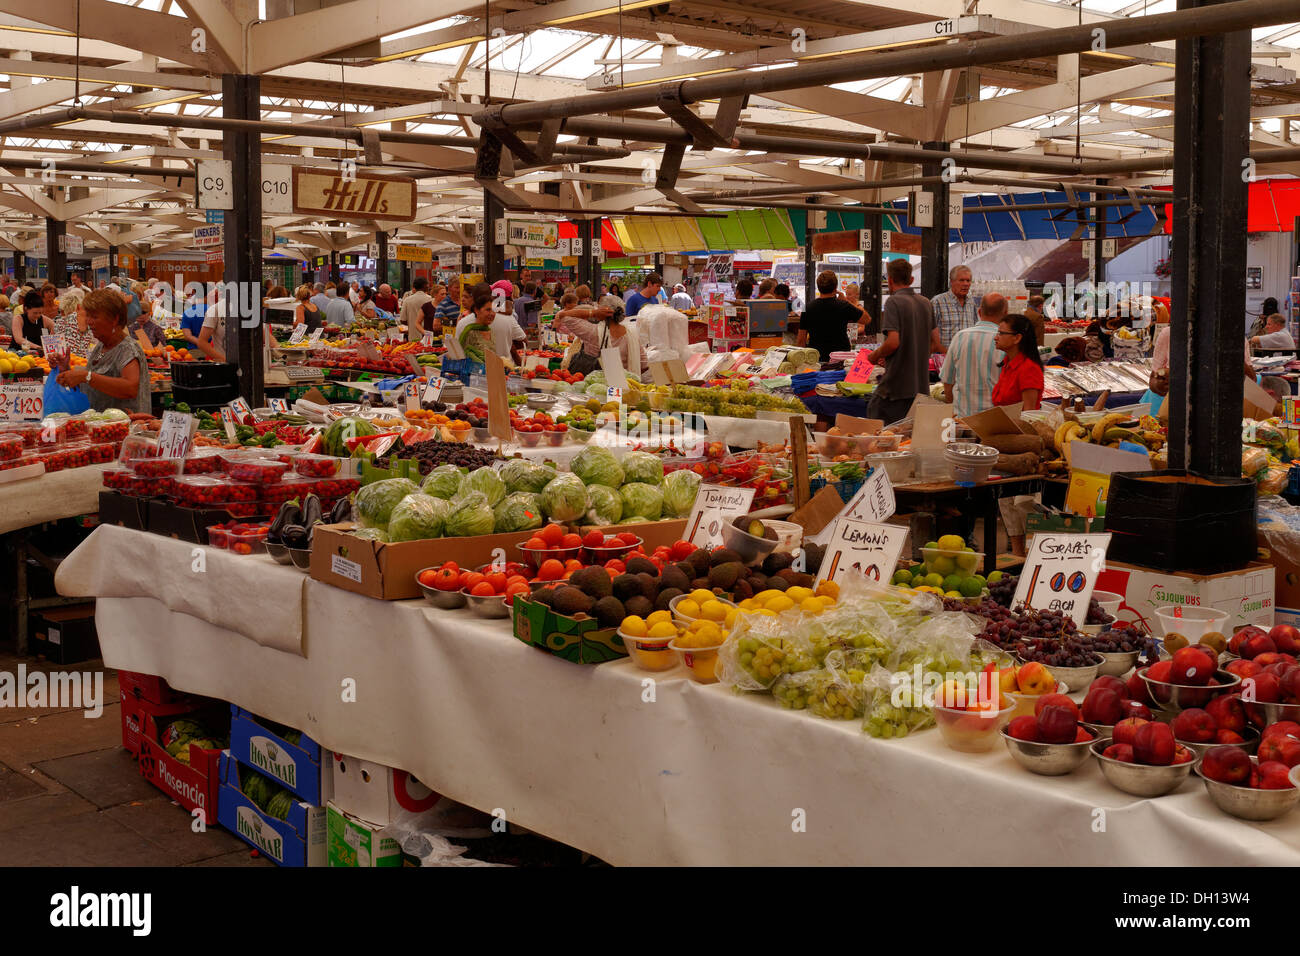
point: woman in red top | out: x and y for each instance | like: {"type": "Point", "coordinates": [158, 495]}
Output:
{"type": "Point", "coordinates": [1022, 369]}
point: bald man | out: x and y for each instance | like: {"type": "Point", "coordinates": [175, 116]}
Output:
{"type": "Point", "coordinates": [971, 368]}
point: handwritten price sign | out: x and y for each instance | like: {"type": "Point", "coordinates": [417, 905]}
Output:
{"type": "Point", "coordinates": [1060, 573]}
{"type": "Point", "coordinates": [175, 434]}
{"type": "Point", "coordinates": [715, 506]}
{"type": "Point", "coordinates": [433, 391]}
{"type": "Point", "coordinates": [299, 333]}
{"type": "Point", "coordinates": [22, 401]}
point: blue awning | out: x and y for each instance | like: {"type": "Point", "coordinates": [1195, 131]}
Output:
{"type": "Point", "coordinates": [997, 226]}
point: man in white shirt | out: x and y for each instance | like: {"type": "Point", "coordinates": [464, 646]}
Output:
{"type": "Point", "coordinates": [338, 308]}
{"type": "Point", "coordinates": [1275, 334]}
{"type": "Point", "coordinates": [681, 300]}
{"type": "Point", "coordinates": [320, 299]}
{"type": "Point", "coordinates": [971, 368]}
{"type": "Point", "coordinates": [354, 293]}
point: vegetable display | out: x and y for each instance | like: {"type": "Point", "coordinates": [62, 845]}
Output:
{"type": "Point", "coordinates": [375, 502]}
{"type": "Point", "coordinates": [471, 515]}
{"type": "Point", "coordinates": [485, 480]}
{"type": "Point", "coordinates": [641, 500]}
{"type": "Point", "coordinates": [519, 474]}
{"type": "Point", "coordinates": [643, 467]}
{"type": "Point", "coordinates": [518, 511]}
{"type": "Point", "coordinates": [679, 490]}
{"type": "Point", "coordinates": [597, 466]}
{"type": "Point", "coordinates": [606, 505]}
{"type": "Point", "coordinates": [418, 516]}
{"type": "Point", "coordinates": [565, 497]}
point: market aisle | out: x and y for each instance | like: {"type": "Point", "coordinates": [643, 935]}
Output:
{"type": "Point", "coordinates": [70, 795]}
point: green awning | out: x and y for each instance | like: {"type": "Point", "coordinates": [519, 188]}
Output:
{"type": "Point", "coordinates": [749, 229]}
{"type": "Point", "coordinates": [838, 222]}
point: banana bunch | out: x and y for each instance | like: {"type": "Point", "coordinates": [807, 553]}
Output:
{"type": "Point", "coordinates": [1104, 424]}
{"type": "Point", "coordinates": [1066, 432]}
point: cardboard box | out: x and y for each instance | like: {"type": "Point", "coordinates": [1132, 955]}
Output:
{"type": "Point", "coordinates": [1091, 467]}
{"type": "Point", "coordinates": [66, 635]}
{"type": "Point", "coordinates": [1074, 524]}
{"type": "Point", "coordinates": [193, 785]}
{"type": "Point", "coordinates": [1246, 595]}
{"type": "Point", "coordinates": [135, 713]}
{"type": "Point", "coordinates": [1286, 573]}
{"type": "Point", "coordinates": [578, 641]}
{"type": "Point", "coordinates": [374, 793]}
{"type": "Point", "coordinates": [147, 687]}
{"type": "Point", "coordinates": [298, 841]}
{"type": "Point", "coordinates": [297, 766]}
{"type": "Point", "coordinates": [387, 571]}
{"type": "Point", "coordinates": [126, 511]}
{"type": "Point", "coordinates": [357, 844]}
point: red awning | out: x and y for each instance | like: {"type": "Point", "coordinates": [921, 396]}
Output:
{"type": "Point", "coordinates": [609, 243]}
{"type": "Point", "coordinates": [1273, 205]}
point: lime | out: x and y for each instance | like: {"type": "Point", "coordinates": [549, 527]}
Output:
{"type": "Point", "coordinates": [967, 562]}
{"type": "Point", "coordinates": [994, 577]}
{"type": "Point", "coordinates": [934, 580]}
{"type": "Point", "coordinates": [980, 579]}
{"type": "Point", "coordinates": [952, 582]}
{"type": "Point", "coordinates": [918, 579]}
{"type": "Point", "coordinates": [932, 545]}
{"type": "Point", "coordinates": [971, 587]}
{"type": "Point", "coordinates": [943, 566]}
{"type": "Point", "coordinates": [902, 576]}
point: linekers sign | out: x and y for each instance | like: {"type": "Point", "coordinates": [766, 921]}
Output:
{"type": "Point", "coordinates": [362, 194]}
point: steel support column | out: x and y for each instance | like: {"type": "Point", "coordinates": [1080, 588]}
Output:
{"type": "Point", "coordinates": [334, 267]}
{"type": "Point", "coordinates": [1211, 134]}
{"type": "Point", "coordinates": [869, 294]}
{"type": "Point", "coordinates": [1099, 216]}
{"type": "Point", "coordinates": [241, 99]}
{"type": "Point", "coordinates": [56, 259]}
{"type": "Point", "coordinates": [584, 257]}
{"type": "Point", "coordinates": [112, 261]}
{"type": "Point", "coordinates": [20, 266]}
{"type": "Point", "coordinates": [934, 240]}
{"type": "Point", "coordinates": [494, 259]}
{"type": "Point", "coordinates": [464, 259]}
{"type": "Point", "coordinates": [381, 261]}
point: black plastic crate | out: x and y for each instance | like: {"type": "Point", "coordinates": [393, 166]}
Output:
{"type": "Point", "coordinates": [65, 635]}
{"type": "Point", "coordinates": [204, 375]}
{"type": "Point", "coordinates": [209, 397]}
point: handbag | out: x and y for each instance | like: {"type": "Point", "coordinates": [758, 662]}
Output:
{"type": "Point", "coordinates": [584, 363]}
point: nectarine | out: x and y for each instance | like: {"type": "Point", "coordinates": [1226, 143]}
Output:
{"type": "Point", "coordinates": [1035, 679]}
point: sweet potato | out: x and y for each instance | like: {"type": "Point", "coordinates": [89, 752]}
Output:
{"type": "Point", "coordinates": [1017, 444]}
{"type": "Point", "coordinates": [1024, 464]}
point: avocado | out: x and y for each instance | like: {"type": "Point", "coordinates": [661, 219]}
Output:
{"type": "Point", "coordinates": [756, 581]}
{"type": "Point", "coordinates": [741, 590]}
{"type": "Point", "coordinates": [723, 556]}
{"type": "Point", "coordinates": [642, 566]}
{"type": "Point", "coordinates": [812, 557]}
{"type": "Point", "coordinates": [687, 569]}
{"type": "Point", "coordinates": [609, 612]}
{"type": "Point", "coordinates": [725, 576]}
{"type": "Point", "coordinates": [796, 579]}
{"type": "Point", "coordinates": [672, 577]}
{"type": "Point", "coordinates": [700, 584]}
{"type": "Point", "coordinates": [776, 561]}
{"type": "Point", "coordinates": [569, 600]}
{"type": "Point", "coordinates": [777, 583]}
{"type": "Point", "coordinates": [593, 581]}
{"type": "Point", "coordinates": [625, 586]}
{"type": "Point", "coordinates": [666, 595]}
{"type": "Point", "coordinates": [700, 563]}
{"type": "Point", "coordinates": [648, 584]}
{"type": "Point", "coordinates": [639, 606]}
{"type": "Point", "coordinates": [757, 529]}
{"type": "Point", "coordinates": [545, 596]}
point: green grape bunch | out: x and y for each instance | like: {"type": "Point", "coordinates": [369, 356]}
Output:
{"type": "Point", "coordinates": [766, 661]}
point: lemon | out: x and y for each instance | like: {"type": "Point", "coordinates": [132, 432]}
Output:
{"type": "Point", "coordinates": [658, 616]}
{"type": "Point", "coordinates": [699, 596]}
{"type": "Point", "coordinates": [688, 607]}
{"type": "Point", "coordinates": [710, 633]}
{"type": "Point", "coordinates": [634, 626]}
{"type": "Point", "coordinates": [943, 566]}
{"type": "Point", "coordinates": [762, 597]}
{"type": "Point", "coordinates": [952, 542]}
{"type": "Point", "coordinates": [811, 605]}
{"type": "Point", "coordinates": [749, 604]}
{"type": "Point", "coordinates": [798, 594]}
{"type": "Point", "coordinates": [662, 629]}
{"type": "Point", "coordinates": [6, 366]}
{"type": "Point", "coordinates": [766, 612]}
{"type": "Point", "coordinates": [713, 611]}
{"type": "Point", "coordinates": [828, 589]}
{"type": "Point", "coordinates": [730, 619]}
{"type": "Point", "coordinates": [779, 604]}
{"type": "Point", "coordinates": [953, 594]}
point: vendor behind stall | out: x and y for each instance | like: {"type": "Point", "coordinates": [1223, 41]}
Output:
{"type": "Point", "coordinates": [116, 374]}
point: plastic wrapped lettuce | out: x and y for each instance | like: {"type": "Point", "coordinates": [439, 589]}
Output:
{"type": "Point", "coordinates": [469, 516]}
{"type": "Point", "coordinates": [606, 505]}
{"type": "Point", "coordinates": [370, 534]}
{"type": "Point", "coordinates": [518, 511]}
{"type": "Point", "coordinates": [565, 498]}
{"type": "Point", "coordinates": [520, 474]}
{"type": "Point", "coordinates": [643, 466]}
{"type": "Point", "coordinates": [679, 490]}
{"type": "Point", "coordinates": [486, 480]}
{"type": "Point", "coordinates": [597, 466]}
{"type": "Point", "coordinates": [643, 500]}
{"type": "Point", "coordinates": [443, 481]}
{"type": "Point", "coordinates": [375, 502]}
{"type": "Point", "coordinates": [418, 516]}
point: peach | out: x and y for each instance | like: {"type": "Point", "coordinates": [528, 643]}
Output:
{"type": "Point", "coordinates": [955, 695]}
{"type": "Point", "coordinates": [1290, 684]}
{"type": "Point", "coordinates": [1007, 680]}
{"type": "Point", "coordinates": [1286, 638]}
{"type": "Point", "coordinates": [1228, 713]}
{"type": "Point", "coordinates": [1057, 700]}
{"type": "Point", "coordinates": [1122, 752]}
{"type": "Point", "coordinates": [1191, 665]}
{"type": "Point", "coordinates": [1024, 728]}
{"type": "Point", "coordinates": [1227, 765]}
{"type": "Point", "coordinates": [1056, 724]}
{"type": "Point", "coordinates": [1127, 729]}
{"type": "Point", "coordinates": [1035, 679]}
{"type": "Point", "coordinates": [1194, 725]}
{"type": "Point", "coordinates": [1269, 660]}
{"type": "Point", "coordinates": [1254, 646]}
{"type": "Point", "coordinates": [1153, 744]}
{"type": "Point", "coordinates": [1274, 775]}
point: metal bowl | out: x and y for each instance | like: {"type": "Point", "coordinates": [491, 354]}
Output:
{"type": "Point", "coordinates": [1050, 760]}
{"type": "Point", "coordinates": [751, 549]}
{"type": "Point", "coordinates": [1178, 697]}
{"type": "Point", "coordinates": [301, 558]}
{"type": "Point", "coordinates": [481, 434]}
{"type": "Point", "coordinates": [445, 600]}
{"type": "Point", "coordinates": [1075, 676]}
{"type": "Point", "coordinates": [1140, 779]}
{"type": "Point", "coordinates": [1249, 803]}
{"type": "Point", "coordinates": [1250, 744]}
{"type": "Point", "coordinates": [487, 605]}
{"type": "Point", "coordinates": [279, 552]}
{"type": "Point", "coordinates": [1025, 703]}
{"type": "Point", "coordinates": [1263, 713]}
{"type": "Point", "coordinates": [541, 402]}
{"type": "Point", "coordinates": [1117, 663]}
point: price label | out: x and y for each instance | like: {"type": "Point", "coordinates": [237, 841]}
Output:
{"type": "Point", "coordinates": [427, 339]}
{"type": "Point", "coordinates": [228, 421]}
{"type": "Point", "coordinates": [874, 500]}
{"type": "Point", "coordinates": [613, 394]}
{"type": "Point", "coordinates": [1060, 573]}
{"type": "Point", "coordinates": [316, 336]}
{"type": "Point", "coordinates": [862, 547]}
{"type": "Point", "coordinates": [278, 405]}
{"type": "Point", "coordinates": [412, 395]}
{"type": "Point", "coordinates": [240, 408]}
{"type": "Point", "coordinates": [773, 359]}
{"type": "Point", "coordinates": [175, 434]}
{"type": "Point", "coordinates": [394, 334]}
{"type": "Point", "coordinates": [54, 346]}
{"type": "Point", "coordinates": [299, 333]}
{"type": "Point", "coordinates": [861, 368]}
{"type": "Point", "coordinates": [22, 401]}
{"type": "Point", "coordinates": [433, 391]}
{"type": "Point", "coordinates": [715, 506]}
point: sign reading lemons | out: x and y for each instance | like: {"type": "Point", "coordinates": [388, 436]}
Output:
{"type": "Point", "coordinates": [364, 195]}
{"type": "Point", "coordinates": [412, 254]}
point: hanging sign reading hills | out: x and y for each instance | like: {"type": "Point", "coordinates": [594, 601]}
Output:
{"type": "Point", "coordinates": [362, 195]}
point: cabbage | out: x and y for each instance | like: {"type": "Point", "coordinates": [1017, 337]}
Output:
{"type": "Point", "coordinates": [470, 516]}
{"type": "Point", "coordinates": [679, 489]}
{"type": "Point", "coordinates": [518, 511]}
{"type": "Point", "coordinates": [370, 534]}
{"type": "Point", "coordinates": [486, 480]}
{"type": "Point", "coordinates": [597, 466]}
{"type": "Point", "coordinates": [643, 466]}
{"type": "Point", "coordinates": [375, 502]}
{"type": "Point", "coordinates": [443, 481]}
{"type": "Point", "coordinates": [641, 499]}
{"type": "Point", "coordinates": [418, 516]}
{"type": "Point", "coordinates": [520, 474]}
{"type": "Point", "coordinates": [565, 498]}
{"type": "Point", "coordinates": [606, 505]}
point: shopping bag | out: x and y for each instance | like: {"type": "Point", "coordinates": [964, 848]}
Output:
{"type": "Point", "coordinates": [73, 401]}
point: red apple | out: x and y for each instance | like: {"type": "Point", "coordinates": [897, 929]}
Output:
{"type": "Point", "coordinates": [1082, 735]}
{"type": "Point", "coordinates": [1254, 646]}
{"type": "Point", "coordinates": [1228, 713]}
{"type": "Point", "coordinates": [1263, 688]}
{"type": "Point", "coordinates": [1153, 744]}
{"type": "Point", "coordinates": [1191, 665]}
{"type": "Point", "coordinates": [1194, 725]}
{"type": "Point", "coordinates": [1286, 638]}
{"type": "Point", "coordinates": [1160, 672]}
{"type": "Point", "coordinates": [1134, 708]}
{"type": "Point", "coordinates": [1114, 683]}
{"type": "Point", "coordinates": [1283, 728]}
{"type": "Point", "coordinates": [1229, 737]}
{"type": "Point", "coordinates": [1055, 700]}
{"type": "Point", "coordinates": [1024, 728]}
{"type": "Point", "coordinates": [1056, 725]}
{"type": "Point", "coordinates": [1227, 765]}
{"type": "Point", "coordinates": [1122, 752]}
{"type": "Point", "coordinates": [1291, 685]}
{"type": "Point", "coordinates": [1274, 775]}
{"type": "Point", "coordinates": [1127, 729]}
{"type": "Point", "coordinates": [1103, 706]}
{"type": "Point", "coordinates": [1183, 754]}
{"type": "Point", "coordinates": [1242, 635]}
{"type": "Point", "coordinates": [1137, 688]}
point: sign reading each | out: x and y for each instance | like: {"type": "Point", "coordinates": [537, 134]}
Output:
{"type": "Point", "coordinates": [54, 346]}
{"type": "Point", "coordinates": [365, 194]}
{"type": "Point", "coordinates": [299, 333]}
{"type": "Point", "coordinates": [863, 547]}
{"type": "Point", "coordinates": [874, 500]}
{"type": "Point", "coordinates": [427, 339]}
{"type": "Point", "coordinates": [176, 433]}
{"type": "Point", "coordinates": [1060, 573]}
{"type": "Point", "coordinates": [228, 421]}
{"type": "Point", "coordinates": [714, 506]}
{"type": "Point", "coordinates": [433, 391]}
{"type": "Point", "coordinates": [316, 335]}
{"type": "Point", "coordinates": [22, 401]}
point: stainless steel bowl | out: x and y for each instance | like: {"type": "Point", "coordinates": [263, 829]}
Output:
{"type": "Point", "coordinates": [301, 558]}
{"type": "Point", "coordinates": [279, 552]}
{"type": "Point", "coordinates": [444, 600]}
{"type": "Point", "coordinates": [1140, 779]}
{"type": "Point", "coordinates": [1050, 760]}
{"type": "Point", "coordinates": [1249, 803]}
{"type": "Point", "coordinates": [1178, 697]}
{"type": "Point", "coordinates": [1117, 663]}
{"type": "Point", "coordinates": [1262, 713]}
{"type": "Point", "coordinates": [487, 605]}
{"type": "Point", "coordinates": [751, 549]}
{"type": "Point", "coordinates": [1076, 676]}
{"type": "Point", "coordinates": [541, 402]}
{"type": "Point", "coordinates": [1250, 744]}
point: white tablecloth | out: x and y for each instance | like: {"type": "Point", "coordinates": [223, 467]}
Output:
{"type": "Point", "coordinates": [690, 774]}
{"type": "Point", "coordinates": [59, 494]}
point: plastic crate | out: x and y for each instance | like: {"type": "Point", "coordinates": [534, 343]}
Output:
{"type": "Point", "coordinates": [846, 489]}
{"type": "Point", "coordinates": [208, 397]}
{"type": "Point", "coordinates": [204, 374]}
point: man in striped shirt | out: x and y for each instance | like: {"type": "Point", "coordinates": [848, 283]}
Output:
{"type": "Point", "coordinates": [955, 310]}
{"type": "Point", "coordinates": [970, 369]}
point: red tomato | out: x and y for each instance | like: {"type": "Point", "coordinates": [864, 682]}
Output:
{"type": "Point", "coordinates": [482, 589]}
{"type": "Point", "coordinates": [615, 566]}
{"type": "Point", "coordinates": [551, 534]}
{"type": "Point", "coordinates": [571, 541]}
{"type": "Point", "coordinates": [594, 539]}
{"type": "Point", "coordinates": [428, 577]}
{"type": "Point", "coordinates": [682, 549]}
{"type": "Point", "coordinates": [551, 570]}
{"type": "Point", "coordinates": [447, 580]}
{"type": "Point", "coordinates": [472, 580]}
{"type": "Point", "coordinates": [627, 537]}
{"type": "Point", "coordinates": [573, 564]}
{"type": "Point", "coordinates": [498, 581]}
{"type": "Point", "coordinates": [537, 543]}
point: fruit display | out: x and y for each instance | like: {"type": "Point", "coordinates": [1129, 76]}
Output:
{"type": "Point", "coordinates": [737, 400]}
{"type": "Point", "coordinates": [1110, 430]}
{"type": "Point", "coordinates": [949, 570]}
{"type": "Point", "coordinates": [176, 737]}
{"type": "Point", "coordinates": [1056, 720]}
{"type": "Point", "coordinates": [553, 375]}
{"type": "Point", "coordinates": [540, 426]}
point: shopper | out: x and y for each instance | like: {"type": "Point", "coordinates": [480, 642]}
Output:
{"type": "Point", "coordinates": [1034, 313]}
{"type": "Point", "coordinates": [649, 292]}
{"type": "Point", "coordinates": [144, 323]}
{"type": "Point", "coordinates": [970, 369]}
{"type": "Point", "coordinates": [766, 287]}
{"type": "Point", "coordinates": [744, 290]}
{"type": "Point", "coordinates": [320, 299]}
{"type": "Point", "coordinates": [306, 313]}
{"type": "Point", "coordinates": [1021, 376]}
{"type": "Point", "coordinates": [911, 335]}
{"type": "Point", "coordinates": [825, 322]}
{"type": "Point", "coordinates": [1275, 335]}
{"type": "Point", "coordinates": [955, 309]}
{"type": "Point", "coordinates": [116, 374]}
{"type": "Point", "coordinates": [526, 298]}
{"type": "Point", "coordinates": [680, 300]}
{"type": "Point", "coordinates": [384, 299]}
{"type": "Point", "coordinates": [1265, 310]}
{"type": "Point", "coordinates": [597, 329]}
{"type": "Point", "coordinates": [447, 309]}
{"type": "Point", "coordinates": [419, 314]}
{"type": "Point", "coordinates": [1157, 389]}
{"type": "Point", "coordinates": [30, 322]}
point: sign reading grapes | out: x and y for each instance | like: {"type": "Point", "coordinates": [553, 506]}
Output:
{"type": "Point", "coordinates": [1060, 573]}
